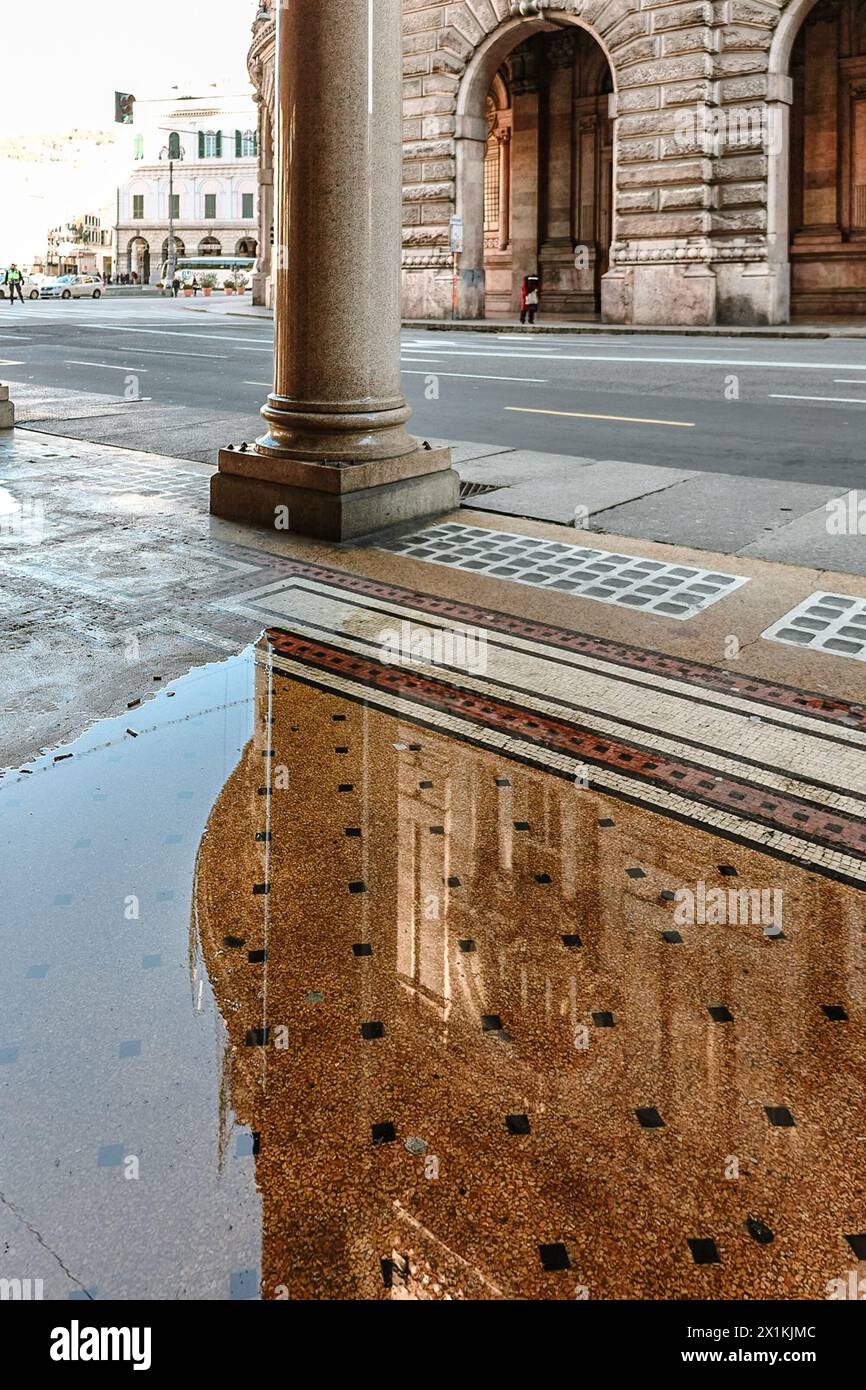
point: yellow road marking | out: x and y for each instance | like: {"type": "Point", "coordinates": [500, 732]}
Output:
{"type": "Point", "coordinates": [585, 415]}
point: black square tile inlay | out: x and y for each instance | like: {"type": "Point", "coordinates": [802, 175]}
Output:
{"type": "Point", "coordinates": [603, 1019]}
{"type": "Point", "coordinates": [649, 1117]}
{"type": "Point", "coordinates": [425, 786]}
{"type": "Point", "coordinates": [264, 836]}
{"type": "Point", "coordinates": [453, 882]}
{"type": "Point", "coordinates": [358, 886]}
{"type": "Point", "coordinates": [704, 1252]}
{"type": "Point", "coordinates": [491, 1023]}
{"type": "Point", "coordinates": [521, 825]}
{"type": "Point", "coordinates": [353, 832]}
{"type": "Point", "coordinates": [727, 871]}
{"type": "Point", "coordinates": [554, 1257]}
{"type": "Point", "coordinates": [606, 822]}
{"type": "Point", "coordinates": [437, 829]}
{"type": "Point", "coordinates": [345, 787]}
{"type": "Point", "coordinates": [261, 888]}
{"type": "Point", "coordinates": [543, 878]}
{"type": "Point", "coordinates": [517, 1124]}
{"type": "Point", "coordinates": [673, 937]}
{"type": "Point", "coordinates": [232, 941]}
{"type": "Point", "coordinates": [467, 946]}
{"type": "Point", "coordinates": [858, 1245]}
{"type": "Point", "coordinates": [362, 948]}
{"type": "Point", "coordinates": [383, 1133]}
{"type": "Point", "coordinates": [372, 1030]}
{"type": "Point", "coordinates": [780, 1116]}
{"type": "Point", "coordinates": [720, 1013]}
{"type": "Point", "coordinates": [635, 873]}
{"type": "Point", "coordinates": [667, 895]}
{"type": "Point", "coordinates": [835, 1013]}
{"type": "Point", "coordinates": [573, 942]}
{"type": "Point", "coordinates": [257, 957]}
{"type": "Point", "coordinates": [502, 782]}
{"type": "Point", "coordinates": [256, 1037]}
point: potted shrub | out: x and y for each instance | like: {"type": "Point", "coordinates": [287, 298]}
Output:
{"type": "Point", "coordinates": [240, 281]}
{"type": "Point", "coordinates": [229, 285]}
{"type": "Point", "coordinates": [187, 291]}
{"type": "Point", "coordinates": [207, 283]}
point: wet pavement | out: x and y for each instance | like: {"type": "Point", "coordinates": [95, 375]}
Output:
{"type": "Point", "coordinates": [455, 938]}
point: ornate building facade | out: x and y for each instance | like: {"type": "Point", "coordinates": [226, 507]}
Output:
{"type": "Point", "coordinates": [655, 161]}
{"type": "Point", "coordinates": [212, 142]}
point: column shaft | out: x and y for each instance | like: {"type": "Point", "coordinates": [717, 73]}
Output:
{"type": "Point", "coordinates": [336, 258]}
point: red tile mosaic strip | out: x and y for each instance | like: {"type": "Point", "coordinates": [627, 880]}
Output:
{"type": "Point", "coordinates": [694, 673]}
{"type": "Point", "coordinates": [791, 815]}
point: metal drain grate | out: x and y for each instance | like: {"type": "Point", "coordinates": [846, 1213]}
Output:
{"type": "Point", "coordinates": [477, 489]}
{"type": "Point", "coordinates": [825, 622]}
{"type": "Point", "coordinates": [674, 591]}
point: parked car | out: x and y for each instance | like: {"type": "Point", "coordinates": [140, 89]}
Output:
{"type": "Point", "coordinates": [73, 287]}
{"type": "Point", "coordinates": [29, 287]}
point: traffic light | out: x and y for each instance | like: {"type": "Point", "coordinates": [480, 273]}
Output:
{"type": "Point", "coordinates": [124, 103]}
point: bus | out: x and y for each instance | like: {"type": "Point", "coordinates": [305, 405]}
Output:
{"type": "Point", "coordinates": [193, 267]}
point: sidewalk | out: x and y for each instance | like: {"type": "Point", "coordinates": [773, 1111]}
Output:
{"type": "Point", "coordinates": [830, 328]}
{"type": "Point", "coordinates": [458, 828]}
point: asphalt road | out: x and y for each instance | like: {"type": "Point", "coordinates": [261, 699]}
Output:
{"type": "Point", "coordinates": [768, 408]}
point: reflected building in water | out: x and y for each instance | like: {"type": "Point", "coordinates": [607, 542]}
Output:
{"type": "Point", "coordinates": [479, 1058]}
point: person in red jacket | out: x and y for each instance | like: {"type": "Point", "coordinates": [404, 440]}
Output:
{"type": "Point", "coordinates": [529, 298]}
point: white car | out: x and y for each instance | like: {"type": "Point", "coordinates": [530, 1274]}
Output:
{"type": "Point", "coordinates": [73, 287]}
{"type": "Point", "coordinates": [29, 287]}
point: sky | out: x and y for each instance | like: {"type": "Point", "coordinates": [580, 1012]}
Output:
{"type": "Point", "coordinates": [63, 76]}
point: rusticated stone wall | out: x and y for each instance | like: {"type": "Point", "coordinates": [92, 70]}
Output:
{"type": "Point", "coordinates": [700, 117]}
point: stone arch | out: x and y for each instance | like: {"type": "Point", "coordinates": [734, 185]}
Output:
{"type": "Point", "coordinates": [492, 47]}
{"type": "Point", "coordinates": [779, 97]}
{"type": "Point", "coordinates": [138, 259]}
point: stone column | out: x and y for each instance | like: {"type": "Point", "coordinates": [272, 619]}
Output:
{"type": "Point", "coordinates": [336, 460]}
{"type": "Point", "coordinates": [504, 138]}
{"type": "Point", "coordinates": [524, 185]}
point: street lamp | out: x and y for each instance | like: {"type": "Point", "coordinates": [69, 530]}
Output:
{"type": "Point", "coordinates": [171, 262]}
{"type": "Point", "coordinates": [166, 153]}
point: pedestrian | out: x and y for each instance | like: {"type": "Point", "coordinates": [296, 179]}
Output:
{"type": "Point", "coordinates": [13, 279]}
{"type": "Point", "coordinates": [175, 286]}
{"type": "Point", "coordinates": [529, 298]}
{"type": "Point", "coordinates": [195, 286]}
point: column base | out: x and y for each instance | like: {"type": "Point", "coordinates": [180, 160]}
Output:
{"type": "Point", "coordinates": [333, 502]}
{"type": "Point", "coordinates": [7, 409]}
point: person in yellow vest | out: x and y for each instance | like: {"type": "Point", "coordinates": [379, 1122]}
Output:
{"type": "Point", "coordinates": [13, 279]}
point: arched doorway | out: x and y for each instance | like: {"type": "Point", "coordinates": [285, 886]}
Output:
{"type": "Point", "coordinates": [209, 246]}
{"type": "Point", "coordinates": [535, 170]}
{"type": "Point", "coordinates": [247, 246]}
{"type": "Point", "coordinates": [827, 181]}
{"type": "Point", "coordinates": [179, 248]}
{"type": "Point", "coordinates": [138, 259]}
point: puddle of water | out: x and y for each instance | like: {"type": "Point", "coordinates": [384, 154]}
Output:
{"type": "Point", "coordinates": [376, 1012]}
{"type": "Point", "coordinates": [116, 1145]}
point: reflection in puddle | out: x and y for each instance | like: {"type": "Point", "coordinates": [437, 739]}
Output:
{"type": "Point", "coordinates": [487, 1043]}
{"type": "Point", "coordinates": [299, 991]}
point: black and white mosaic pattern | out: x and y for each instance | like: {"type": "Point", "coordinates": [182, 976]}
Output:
{"type": "Point", "coordinates": [674, 591]}
{"type": "Point", "coordinates": [825, 622]}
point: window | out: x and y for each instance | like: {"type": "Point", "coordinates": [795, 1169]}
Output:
{"type": "Point", "coordinates": [210, 205]}
{"type": "Point", "coordinates": [138, 147]}
{"type": "Point", "coordinates": [247, 205]}
{"type": "Point", "coordinates": [246, 143]}
{"type": "Point", "coordinates": [210, 144]}
{"type": "Point", "coordinates": [174, 145]}
{"type": "Point", "coordinates": [491, 186]}
{"type": "Point", "coordinates": [174, 209]}
{"type": "Point", "coordinates": [138, 205]}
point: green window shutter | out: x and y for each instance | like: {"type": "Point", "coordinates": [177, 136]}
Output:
{"type": "Point", "coordinates": [238, 144]}
{"type": "Point", "coordinates": [255, 143]}
{"type": "Point", "coordinates": [201, 144]}
{"type": "Point", "coordinates": [247, 205]}
{"type": "Point", "coordinates": [219, 144]}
